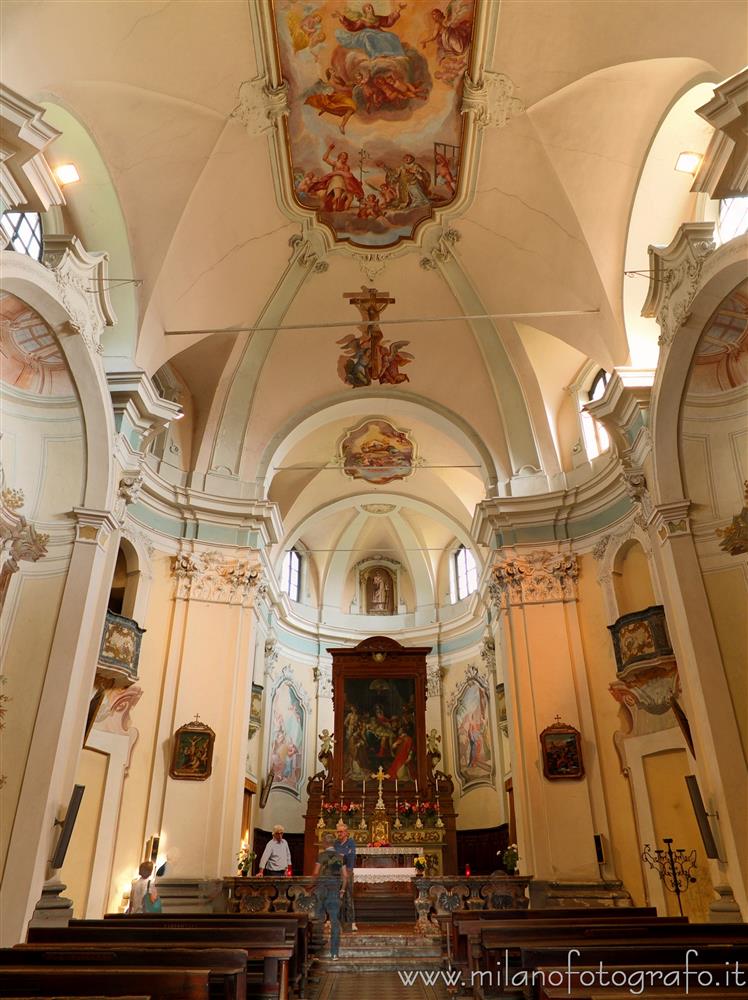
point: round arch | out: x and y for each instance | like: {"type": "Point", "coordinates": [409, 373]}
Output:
{"type": "Point", "coordinates": [723, 271]}
{"type": "Point", "coordinates": [338, 407]}
{"type": "Point", "coordinates": [35, 285]}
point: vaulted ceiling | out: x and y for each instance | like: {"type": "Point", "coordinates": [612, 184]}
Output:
{"type": "Point", "coordinates": [187, 200]}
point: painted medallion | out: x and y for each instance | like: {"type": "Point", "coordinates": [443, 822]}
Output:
{"type": "Point", "coordinates": [377, 452]}
{"type": "Point", "coordinates": [374, 129]}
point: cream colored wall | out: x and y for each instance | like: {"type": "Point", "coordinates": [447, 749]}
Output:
{"type": "Point", "coordinates": [28, 640]}
{"type": "Point", "coordinates": [76, 872]}
{"type": "Point", "coordinates": [42, 454]}
{"type": "Point", "coordinates": [714, 446]}
{"type": "Point", "coordinates": [673, 817]}
{"type": "Point", "coordinates": [601, 670]}
{"type": "Point", "coordinates": [631, 579]}
{"type": "Point", "coordinates": [727, 591]}
{"type": "Point", "coordinates": [132, 832]}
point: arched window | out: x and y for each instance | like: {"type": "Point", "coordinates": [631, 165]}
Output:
{"type": "Point", "coordinates": [733, 219]}
{"type": "Point", "coordinates": [466, 573]}
{"type": "Point", "coordinates": [24, 231]}
{"type": "Point", "coordinates": [596, 438]}
{"type": "Point", "coordinates": [291, 575]}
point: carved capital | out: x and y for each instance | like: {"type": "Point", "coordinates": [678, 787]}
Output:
{"type": "Point", "coordinates": [19, 540]}
{"type": "Point", "coordinates": [491, 101]}
{"type": "Point", "coordinates": [442, 251]}
{"type": "Point", "coordinates": [306, 255]}
{"type": "Point", "coordinates": [212, 577]}
{"type": "Point", "coordinates": [260, 106]}
{"type": "Point", "coordinates": [671, 519]}
{"type": "Point", "coordinates": [536, 578]}
{"type": "Point", "coordinates": [674, 276]}
{"type": "Point", "coordinates": [82, 284]}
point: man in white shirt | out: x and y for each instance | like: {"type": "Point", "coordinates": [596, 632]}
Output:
{"type": "Point", "coordinates": [277, 856]}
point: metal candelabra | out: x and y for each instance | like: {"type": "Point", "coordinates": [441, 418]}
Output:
{"type": "Point", "coordinates": [675, 868]}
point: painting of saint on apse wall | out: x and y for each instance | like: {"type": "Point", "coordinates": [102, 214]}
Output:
{"type": "Point", "coordinates": [375, 130]}
{"type": "Point", "coordinates": [473, 740]}
{"type": "Point", "coordinates": [287, 733]}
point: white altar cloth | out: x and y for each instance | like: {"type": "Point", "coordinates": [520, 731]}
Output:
{"type": "Point", "coordinates": [383, 874]}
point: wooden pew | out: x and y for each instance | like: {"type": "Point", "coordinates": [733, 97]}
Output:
{"type": "Point", "coordinates": [299, 926]}
{"type": "Point", "coordinates": [228, 968]}
{"type": "Point", "coordinates": [158, 983]}
{"type": "Point", "coordinates": [502, 946]}
{"type": "Point", "coordinates": [268, 952]}
{"type": "Point", "coordinates": [570, 915]}
{"type": "Point", "coordinates": [468, 932]}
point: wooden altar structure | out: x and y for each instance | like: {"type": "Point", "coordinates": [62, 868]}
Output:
{"type": "Point", "coordinates": [379, 700]}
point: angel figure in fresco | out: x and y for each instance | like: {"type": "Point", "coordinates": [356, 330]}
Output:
{"type": "Point", "coordinates": [443, 173]}
{"type": "Point", "coordinates": [393, 357]}
{"type": "Point", "coordinates": [366, 30]}
{"type": "Point", "coordinates": [338, 187]}
{"type": "Point", "coordinates": [336, 99]}
{"type": "Point", "coordinates": [452, 31]}
{"type": "Point", "coordinates": [306, 32]}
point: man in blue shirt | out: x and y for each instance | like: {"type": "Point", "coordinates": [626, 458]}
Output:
{"type": "Point", "coordinates": [346, 847]}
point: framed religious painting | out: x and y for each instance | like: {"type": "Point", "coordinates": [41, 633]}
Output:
{"type": "Point", "coordinates": [561, 746]}
{"type": "Point", "coordinates": [379, 691]}
{"type": "Point", "coordinates": [192, 752]}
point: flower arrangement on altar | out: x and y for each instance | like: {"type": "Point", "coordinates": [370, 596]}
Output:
{"type": "Point", "coordinates": [420, 864]}
{"type": "Point", "coordinates": [510, 859]}
{"type": "Point", "coordinates": [330, 809]}
{"type": "Point", "coordinates": [428, 811]}
{"type": "Point", "coordinates": [244, 860]}
{"type": "Point", "coordinates": [378, 843]}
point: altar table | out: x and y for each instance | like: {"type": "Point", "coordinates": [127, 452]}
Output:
{"type": "Point", "coordinates": [371, 875]}
{"type": "Point", "coordinates": [383, 857]}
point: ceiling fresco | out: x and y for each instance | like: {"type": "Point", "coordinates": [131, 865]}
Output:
{"type": "Point", "coordinates": [374, 131]}
{"type": "Point", "coordinates": [721, 360]}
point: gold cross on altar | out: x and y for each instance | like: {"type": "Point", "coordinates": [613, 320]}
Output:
{"type": "Point", "coordinates": [379, 776]}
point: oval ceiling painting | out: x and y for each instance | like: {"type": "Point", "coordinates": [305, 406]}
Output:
{"type": "Point", "coordinates": [374, 129]}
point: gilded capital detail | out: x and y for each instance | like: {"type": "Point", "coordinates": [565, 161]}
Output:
{"type": "Point", "coordinates": [536, 578]}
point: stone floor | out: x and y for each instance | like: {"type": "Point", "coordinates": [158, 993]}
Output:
{"type": "Point", "coordinates": [369, 963]}
{"type": "Point", "coordinates": [374, 986]}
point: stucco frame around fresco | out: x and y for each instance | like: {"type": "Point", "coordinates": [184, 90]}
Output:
{"type": "Point", "coordinates": [270, 101]}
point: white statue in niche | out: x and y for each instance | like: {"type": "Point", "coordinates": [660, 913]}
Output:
{"type": "Point", "coordinates": [380, 592]}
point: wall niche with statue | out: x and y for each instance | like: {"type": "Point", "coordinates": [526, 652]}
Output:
{"type": "Point", "coordinates": [378, 590]}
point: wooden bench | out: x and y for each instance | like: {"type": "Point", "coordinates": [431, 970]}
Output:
{"type": "Point", "coordinates": [158, 983]}
{"type": "Point", "coordinates": [228, 968]}
{"type": "Point", "coordinates": [514, 946]}
{"type": "Point", "coordinates": [457, 945]}
{"type": "Point", "coordinates": [471, 941]}
{"type": "Point", "coordinates": [298, 926]}
{"type": "Point", "coordinates": [267, 950]}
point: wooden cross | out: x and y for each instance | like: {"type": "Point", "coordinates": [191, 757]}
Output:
{"type": "Point", "coordinates": [371, 304]}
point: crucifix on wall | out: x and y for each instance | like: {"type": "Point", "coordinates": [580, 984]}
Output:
{"type": "Point", "coordinates": [369, 358]}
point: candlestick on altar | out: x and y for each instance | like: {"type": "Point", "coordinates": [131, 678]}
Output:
{"type": "Point", "coordinates": [439, 823]}
{"type": "Point", "coordinates": [380, 776]}
{"type": "Point", "coordinates": [397, 824]}
{"type": "Point", "coordinates": [419, 824]}
{"type": "Point", "coordinates": [362, 824]}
